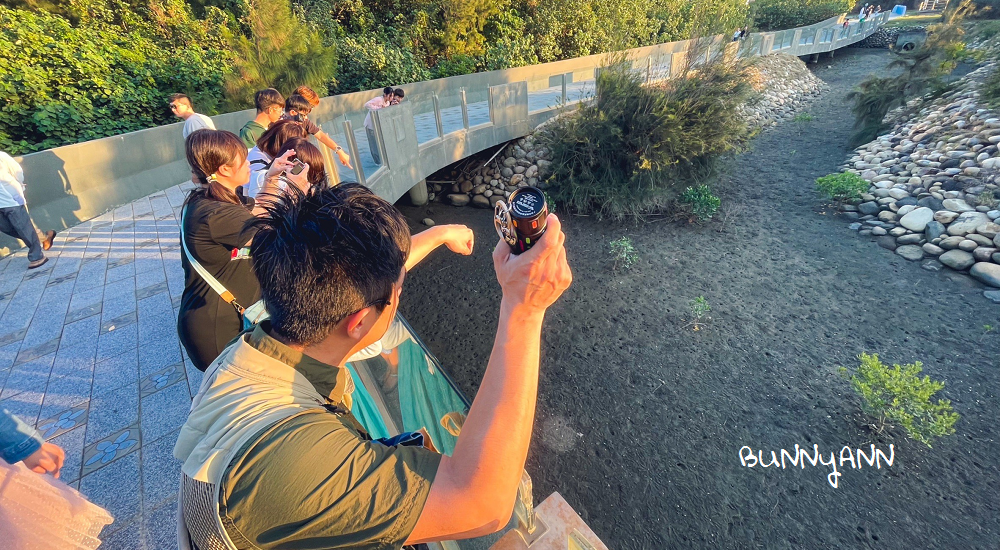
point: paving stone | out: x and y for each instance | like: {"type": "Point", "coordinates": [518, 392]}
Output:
{"type": "Point", "coordinates": [66, 389]}
{"type": "Point", "coordinates": [72, 444]}
{"type": "Point", "coordinates": [118, 371]}
{"type": "Point", "coordinates": [158, 354]}
{"type": "Point", "coordinates": [25, 405]}
{"type": "Point", "coordinates": [116, 488]}
{"type": "Point", "coordinates": [164, 411]}
{"type": "Point", "coordinates": [30, 376]}
{"type": "Point", "coordinates": [112, 411]}
{"type": "Point", "coordinates": [160, 470]}
{"type": "Point", "coordinates": [161, 524]}
{"type": "Point", "coordinates": [86, 329]}
{"type": "Point", "coordinates": [117, 342]}
{"type": "Point", "coordinates": [40, 350]}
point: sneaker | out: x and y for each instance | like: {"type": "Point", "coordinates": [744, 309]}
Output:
{"type": "Point", "coordinates": [50, 236]}
{"type": "Point", "coordinates": [38, 263]}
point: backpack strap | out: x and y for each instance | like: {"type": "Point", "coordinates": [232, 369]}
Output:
{"type": "Point", "coordinates": [205, 275]}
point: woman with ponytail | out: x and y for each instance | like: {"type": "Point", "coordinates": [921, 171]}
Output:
{"type": "Point", "coordinates": [215, 233]}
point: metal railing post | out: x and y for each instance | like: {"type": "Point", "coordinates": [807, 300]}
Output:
{"type": "Point", "coordinates": [332, 173]}
{"type": "Point", "coordinates": [352, 145]}
{"type": "Point", "coordinates": [489, 104]}
{"type": "Point", "coordinates": [649, 69]}
{"type": "Point", "coordinates": [437, 116]}
{"type": "Point", "coordinates": [564, 79]}
{"type": "Point", "coordinates": [465, 108]}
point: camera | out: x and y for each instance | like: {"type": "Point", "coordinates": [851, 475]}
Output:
{"type": "Point", "coordinates": [521, 222]}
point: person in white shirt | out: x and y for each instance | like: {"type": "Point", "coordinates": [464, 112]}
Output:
{"type": "Point", "coordinates": [181, 105]}
{"type": "Point", "coordinates": [375, 104]}
{"type": "Point", "coordinates": [14, 218]}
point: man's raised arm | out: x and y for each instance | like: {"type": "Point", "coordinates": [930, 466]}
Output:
{"type": "Point", "coordinates": [474, 490]}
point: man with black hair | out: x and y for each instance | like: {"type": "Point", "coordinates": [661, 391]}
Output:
{"type": "Point", "coordinates": [273, 457]}
{"type": "Point", "coordinates": [181, 106]}
{"type": "Point", "coordinates": [270, 106]}
{"type": "Point", "coordinates": [298, 108]}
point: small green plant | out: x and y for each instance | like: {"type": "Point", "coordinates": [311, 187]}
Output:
{"type": "Point", "coordinates": [843, 186]}
{"type": "Point", "coordinates": [988, 328]}
{"type": "Point", "coordinates": [624, 253]}
{"type": "Point", "coordinates": [803, 117]}
{"type": "Point", "coordinates": [702, 202]}
{"type": "Point", "coordinates": [988, 199]}
{"type": "Point", "coordinates": [700, 309]}
{"type": "Point", "coordinates": [549, 201]}
{"type": "Point", "coordinates": [898, 395]}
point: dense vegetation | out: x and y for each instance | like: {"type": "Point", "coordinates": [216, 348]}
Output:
{"type": "Point", "coordinates": [635, 148]}
{"type": "Point", "coordinates": [73, 70]}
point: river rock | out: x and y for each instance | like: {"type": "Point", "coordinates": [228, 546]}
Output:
{"type": "Point", "coordinates": [980, 239]}
{"type": "Point", "coordinates": [988, 230]}
{"type": "Point", "coordinates": [516, 179]}
{"type": "Point", "coordinates": [506, 172]}
{"type": "Point", "coordinates": [993, 295]}
{"type": "Point", "coordinates": [912, 238]}
{"type": "Point", "coordinates": [931, 265]}
{"type": "Point", "coordinates": [950, 243]}
{"type": "Point", "coordinates": [945, 216]}
{"type": "Point", "coordinates": [886, 242]}
{"type": "Point", "coordinates": [480, 201]}
{"type": "Point", "coordinates": [957, 259]}
{"type": "Point", "coordinates": [933, 249]}
{"type": "Point", "coordinates": [967, 245]}
{"type": "Point", "coordinates": [458, 199]}
{"type": "Point", "coordinates": [911, 252]}
{"type": "Point", "coordinates": [967, 223]}
{"type": "Point", "coordinates": [868, 208]}
{"type": "Point", "coordinates": [510, 162]}
{"type": "Point", "coordinates": [887, 216]}
{"type": "Point", "coordinates": [917, 219]}
{"type": "Point", "coordinates": [986, 272]}
{"type": "Point", "coordinates": [984, 253]}
{"type": "Point", "coordinates": [898, 193]}
{"type": "Point", "coordinates": [428, 222]}
{"type": "Point", "coordinates": [879, 231]}
{"type": "Point", "coordinates": [957, 205]}
{"type": "Point", "coordinates": [933, 230]}
{"type": "Point", "coordinates": [930, 202]}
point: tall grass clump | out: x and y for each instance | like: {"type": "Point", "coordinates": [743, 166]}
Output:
{"type": "Point", "coordinates": [635, 147]}
{"type": "Point", "coordinates": [920, 71]}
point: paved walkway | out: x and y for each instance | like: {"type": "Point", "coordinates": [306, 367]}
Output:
{"type": "Point", "coordinates": [89, 354]}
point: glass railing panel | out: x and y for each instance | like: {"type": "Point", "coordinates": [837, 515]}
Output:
{"type": "Point", "coordinates": [423, 117]}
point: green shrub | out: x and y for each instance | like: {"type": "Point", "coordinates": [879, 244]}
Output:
{"type": "Point", "coordinates": [897, 394]}
{"type": "Point", "coordinates": [61, 84]}
{"type": "Point", "coordinates": [842, 186]}
{"type": "Point", "coordinates": [700, 309]}
{"type": "Point", "coordinates": [803, 117]}
{"type": "Point", "coordinates": [773, 15]}
{"type": "Point", "coordinates": [624, 253]}
{"type": "Point", "coordinates": [702, 202]}
{"type": "Point", "coordinates": [633, 149]}
{"type": "Point", "coordinates": [368, 62]}
{"type": "Point", "coordinates": [990, 90]}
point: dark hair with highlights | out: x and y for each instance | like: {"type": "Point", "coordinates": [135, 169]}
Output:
{"type": "Point", "coordinates": [309, 154]}
{"type": "Point", "coordinates": [207, 151]}
{"type": "Point", "coordinates": [324, 255]}
{"type": "Point", "coordinates": [277, 134]}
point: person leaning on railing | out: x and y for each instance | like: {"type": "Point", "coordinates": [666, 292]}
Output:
{"type": "Point", "coordinates": [272, 456]}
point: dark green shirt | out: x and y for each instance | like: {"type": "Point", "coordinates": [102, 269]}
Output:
{"type": "Point", "coordinates": [317, 481]}
{"type": "Point", "coordinates": [251, 132]}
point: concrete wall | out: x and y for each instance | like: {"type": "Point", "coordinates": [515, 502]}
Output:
{"type": "Point", "coordinates": [70, 184]}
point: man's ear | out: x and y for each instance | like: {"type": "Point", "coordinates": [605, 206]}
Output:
{"type": "Point", "coordinates": [356, 324]}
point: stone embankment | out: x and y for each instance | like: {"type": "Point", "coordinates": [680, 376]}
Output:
{"type": "Point", "coordinates": [933, 195]}
{"type": "Point", "coordinates": [783, 83]}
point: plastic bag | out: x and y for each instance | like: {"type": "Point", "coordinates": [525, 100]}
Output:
{"type": "Point", "coordinates": [40, 512]}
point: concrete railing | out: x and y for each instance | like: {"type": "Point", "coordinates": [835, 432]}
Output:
{"type": "Point", "coordinates": [440, 122]}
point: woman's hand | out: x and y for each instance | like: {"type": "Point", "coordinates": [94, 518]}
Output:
{"type": "Point", "coordinates": [280, 164]}
{"type": "Point", "coordinates": [300, 180]}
